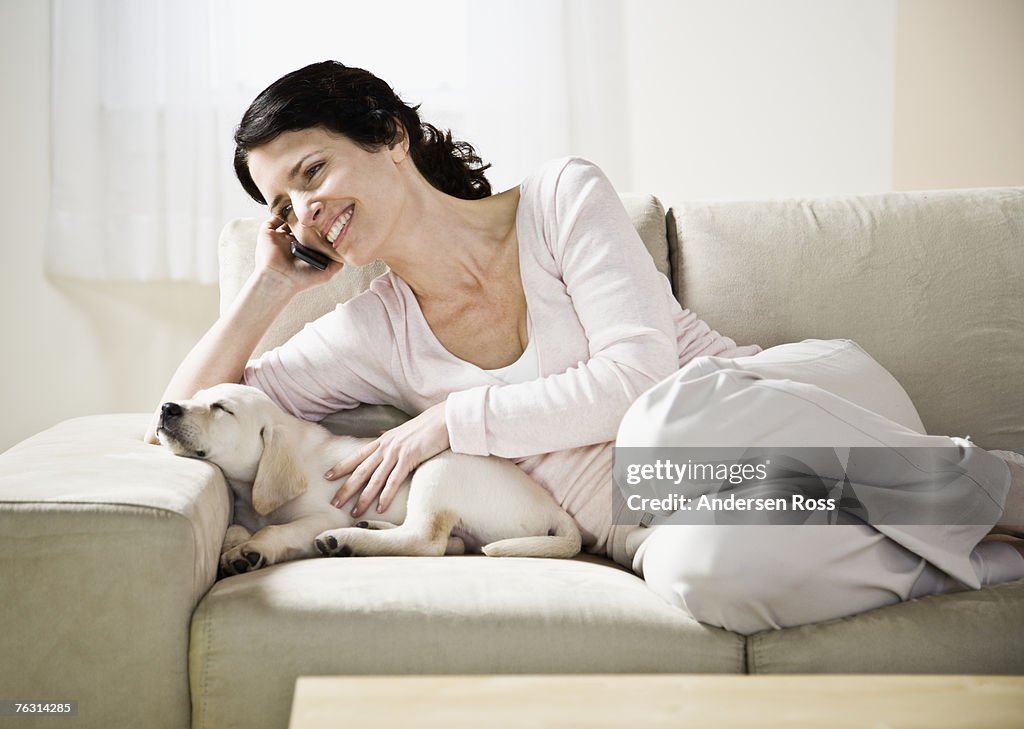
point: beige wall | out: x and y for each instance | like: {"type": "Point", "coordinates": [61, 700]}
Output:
{"type": "Point", "coordinates": [959, 94]}
{"type": "Point", "coordinates": [69, 348]}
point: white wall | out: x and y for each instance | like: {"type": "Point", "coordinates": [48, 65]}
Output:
{"type": "Point", "coordinates": [726, 98]}
{"type": "Point", "coordinates": [69, 348]}
{"type": "Point", "coordinates": [742, 98]}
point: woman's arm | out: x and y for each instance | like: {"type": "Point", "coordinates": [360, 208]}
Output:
{"type": "Point", "coordinates": [625, 308]}
{"type": "Point", "coordinates": [222, 353]}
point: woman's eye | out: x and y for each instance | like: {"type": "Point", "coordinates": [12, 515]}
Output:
{"type": "Point", "coordinates": [284, 212]}
{"type": "Point", "coordinates": [313, 169]}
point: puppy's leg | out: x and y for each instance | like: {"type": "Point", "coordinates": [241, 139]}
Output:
{"type": "Point", "coordinates": [378, 525]}
{"type": "Point", "coordinates": [273, 544]}
{"type": "Point", "coordinates": [235, 535]}
{"type": "Point", "coordinates": [421, 535]}
{"type": "Point", "coordinates": [501, 506]}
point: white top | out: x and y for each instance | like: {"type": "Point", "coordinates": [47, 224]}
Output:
{"type": "Point", "coordinates": [606, 328]}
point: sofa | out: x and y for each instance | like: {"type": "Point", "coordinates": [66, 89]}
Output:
{"type": "Point", "coordinates": [109, 546]}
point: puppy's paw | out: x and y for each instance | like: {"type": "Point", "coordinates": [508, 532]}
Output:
{"type": "Point", "coordinates": [374, 525]}
{"type": "Point", "coordinates": [236, 535]}
{"type": "Point", "coordinates": [333, 544]}
{"type": "Point", "coordinates": [243, 558]}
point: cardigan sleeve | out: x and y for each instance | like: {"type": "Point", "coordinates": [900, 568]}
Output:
{"type": "Point", "coordinates": [325, 367]}
{"type": "Point", "coordinates": [622, 303]}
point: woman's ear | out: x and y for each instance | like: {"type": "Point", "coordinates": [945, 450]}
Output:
{"type": "Point", "coordinates": [279, 479]}
{"type": "Point", "coordinates": [400, 147]}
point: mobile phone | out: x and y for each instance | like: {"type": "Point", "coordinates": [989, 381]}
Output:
{"type": "Point", "coordinates": [313, 258]}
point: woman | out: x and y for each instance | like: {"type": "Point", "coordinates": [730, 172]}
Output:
{"type": "Point", "coordinates": [522, 324]}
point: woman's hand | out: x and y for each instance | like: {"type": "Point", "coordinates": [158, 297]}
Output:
{"type": "Point", "coordinates": [383, 465]}
{"type": "Point", "coordinates": [274, 254]}
{"type": "Point", "coordinates": [221, 354]}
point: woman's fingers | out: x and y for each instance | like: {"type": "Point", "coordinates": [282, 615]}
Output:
{"type": "Point", "coordinates": [380, 478]}
{"type": "Point", "coordinates": [379, 474]}
{"type": "Point", "coordinates": [370, 460]}
{"type": "Point", "coordinates": [398, 475]}
{"type": "Point", "coordinates": [352, 461]}
{"type": "Point", "coordinates": [381, 466]}
{"type": "Point", "coordinates": [273, 251]}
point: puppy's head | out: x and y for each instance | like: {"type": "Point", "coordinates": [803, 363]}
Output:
{"type": "Point", "coordinates": [242, 431]}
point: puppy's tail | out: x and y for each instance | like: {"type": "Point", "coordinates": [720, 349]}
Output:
{"type": "Point", "coordinates": [563, 543]}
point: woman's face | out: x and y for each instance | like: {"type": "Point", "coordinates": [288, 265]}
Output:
{"type": "Point", "coordinates": [335, 196]}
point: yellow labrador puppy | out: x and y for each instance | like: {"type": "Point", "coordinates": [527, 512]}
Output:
{"type": "Point", "coordinates": [274, 464]}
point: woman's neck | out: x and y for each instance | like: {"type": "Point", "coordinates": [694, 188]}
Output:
{"type": "Point", "coordinates": [443, 246]}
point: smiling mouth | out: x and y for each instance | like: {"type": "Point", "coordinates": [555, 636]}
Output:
{"type": "Point", "coordinates": [337, 231]}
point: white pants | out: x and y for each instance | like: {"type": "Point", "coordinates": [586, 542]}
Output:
{"type": "Point", "coordinates": [748, 578]}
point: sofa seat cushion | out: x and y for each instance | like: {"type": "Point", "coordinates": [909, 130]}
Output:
{"type": "Point", "coordinates": [254, 634]}
{"type": "Point", "coordinates": [975, 631]}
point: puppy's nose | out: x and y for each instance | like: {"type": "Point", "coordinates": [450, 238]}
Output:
{"type": "Point", "coordinates": [170, 410]}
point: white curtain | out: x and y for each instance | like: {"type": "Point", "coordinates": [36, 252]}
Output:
{"type": "Point", "coordinates": [141, 122]}
{"type": "Point", "coordinates": [146, 93]}
{"type": "Point", "coordinates": [548, 78]}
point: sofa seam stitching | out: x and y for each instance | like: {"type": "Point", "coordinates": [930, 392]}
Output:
{"type": "Point", "coordinates": [207, 653]}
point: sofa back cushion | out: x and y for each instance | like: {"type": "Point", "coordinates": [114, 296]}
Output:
{"type": "Point", "coordinates": [930, 283]}
{"type": "Point", "coordinates": [236, 253]}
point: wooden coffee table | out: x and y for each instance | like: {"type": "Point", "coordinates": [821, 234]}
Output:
{"type": "Point", "coordinates": [602, 701]}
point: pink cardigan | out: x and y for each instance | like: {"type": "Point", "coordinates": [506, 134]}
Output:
{"type": "Point", "coordinates": [606, 328]}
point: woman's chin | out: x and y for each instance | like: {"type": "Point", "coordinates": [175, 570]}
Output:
{"type": "Point", "coordinates": [350, 258]}
{"type": "Point", "coordinates": [354, 255]}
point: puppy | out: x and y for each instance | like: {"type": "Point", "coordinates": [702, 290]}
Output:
{"type": "Point", "coordinates": [274, 464]}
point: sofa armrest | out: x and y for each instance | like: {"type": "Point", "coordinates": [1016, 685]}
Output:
{"type": "Point", "coordinates": [107, 544]}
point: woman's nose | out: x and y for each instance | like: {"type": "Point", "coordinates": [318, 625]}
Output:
{"type": "Point", "coordinates": [308, 212]}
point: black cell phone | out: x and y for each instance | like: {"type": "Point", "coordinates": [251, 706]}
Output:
{"type": "Point", "coordinates": [313, 258]}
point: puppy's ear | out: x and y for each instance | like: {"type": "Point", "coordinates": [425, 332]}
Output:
{"type": "Point", "coordinates": [279, 479]}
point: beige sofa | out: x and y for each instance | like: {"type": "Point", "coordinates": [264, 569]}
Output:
{"type": "Point", "coordinates": [108, 546]}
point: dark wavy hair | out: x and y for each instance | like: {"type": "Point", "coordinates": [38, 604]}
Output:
{"type": "Point", "coordinates": [355, 103]}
